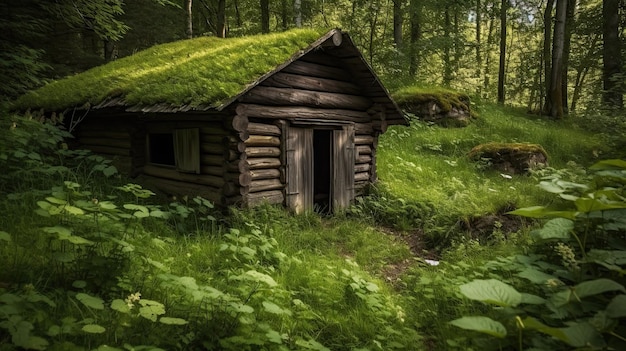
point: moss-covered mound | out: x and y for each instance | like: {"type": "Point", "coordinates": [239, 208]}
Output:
{"type": "Point", "coordinates": [512, 158]}
{"type": "Point", "coordinates": [442, 106]}
{"type": "Point", "coordinates": [200, 71]}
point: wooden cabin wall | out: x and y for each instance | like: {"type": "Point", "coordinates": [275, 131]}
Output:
{"type": "Point", "coordinates": [255, 174]}
{"type": "Point", "coordinates": [109, 137]}
{"type": "Point", "coordinates": [318, 89]}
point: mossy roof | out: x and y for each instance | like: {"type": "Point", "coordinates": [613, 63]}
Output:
{"type": "Point", "coordinates": [199, 73]}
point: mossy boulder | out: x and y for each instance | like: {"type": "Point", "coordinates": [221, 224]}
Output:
{"type": "Point", "coordinates": [444, 107]}
{"type": "Point", "coordinates": [511, 158]}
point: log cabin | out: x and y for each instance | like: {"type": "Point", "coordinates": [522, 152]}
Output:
{"type": "Point", "coordinates": [288, 118]}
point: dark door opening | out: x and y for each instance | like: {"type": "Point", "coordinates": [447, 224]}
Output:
{"type": "Point", "coordinates": [322, 170]}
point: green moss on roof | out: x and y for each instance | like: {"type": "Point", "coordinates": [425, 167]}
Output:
{"type": "Point", "coordinates": [200, 71]}
{"type": "Point", "coordinates": [445, 98]}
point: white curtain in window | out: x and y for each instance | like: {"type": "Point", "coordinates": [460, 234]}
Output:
{"type": "Point", "coordinates": [187, 150]}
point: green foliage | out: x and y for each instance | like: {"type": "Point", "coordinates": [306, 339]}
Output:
{"type": "Point", "coordinates": [203, 71]}
{"type": "Point", "coordinates": [575, 271]}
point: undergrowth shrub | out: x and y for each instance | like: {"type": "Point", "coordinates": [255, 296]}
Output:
{"type": "Point", "coordinates": [571, 281]}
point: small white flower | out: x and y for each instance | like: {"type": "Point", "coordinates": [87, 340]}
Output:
{"type": "Point", "coordinates": [506, 176]}
{"type": "Point", "coordinates": [432, 262]}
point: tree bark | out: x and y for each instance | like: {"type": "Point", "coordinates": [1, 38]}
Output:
{"type": "Point", "coordinates": [478, 34]}
{"type": "Point", "coordinates": [447, 64]}
{"type": "Point", "coordinates": [189, 18]}
{"type": "Point", "coordinates": [220, 30]}
{"type": "Point", "coordinates": [284, 14]}
{"type": "Point", "coordinates": [297, 13]}
{"type": "Point", "coordinates": [504, 5]}
{"type": "Point", "coordinates": [397, 22]}
{"type": "Point", "coordinates": [265, 16]}
{"type": "Point", "coordinates": [415, 36]}
{"type": "Point", "coordinates": [611, 56]}
{"type": "Point", "coordinates": [556, 106]}
{"type": "Point", "coordinates": [547, 56]}
{"type": "Point", "coordinates": [569, 26]}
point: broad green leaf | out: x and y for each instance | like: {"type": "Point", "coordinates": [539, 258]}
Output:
{"type": "Point", "coordinates": [173, 321]}
{"type": "Point", "coordinates": [535, 276]}
{"type": "Point", "coordinates": [78, 240]}
{"type": "Point", "coordinates": [61, 231]}
{"type": "Point", "coordinates": [35, 343]}
{"type": "Point", "coordinates": [583, 335]}
{"type": "Point", "coordinates": [93, 329]}
{"type": "Point", "coordinates": [4, 236]}
{"type": "Point", "coordinates": [531, 299]}
{"type": "Point", "coordinates": [55, 200]}
{"type": "Point", "coordinates": [54, 330]}
{"type": "Point", "coordinates": [532, 323]}
{"type": "Point", "coordinates": [274, 336]}
{"type": "Point", "coordinates": [492, 291]}
{"type": "Point", "coordinates": [274, 308]}
{"type": "Point", "coordinates": [90, 301]}
{"type": "Point", "coordinates": [151, 309]}
{"type": "Point", "coordinates": [107, 348]}
{"type": "Point", "coordinates": [188, 282]}
{"type": "Point", "coordinates": [597, 286]}
{"type": "Point", "coordinates": [120, 306]}
{"type": "Point", "coordinates": [79, 284]}
{"type": "Point", "coordinates": [241, 308]}
{"type": "Point", "coordinates": [617, 307]}
{"type": "Point", "coordinates": [73, 210]}
{"type": "Point", "coordinates": [550, 187]}
{"type": "Point", "coordinates": [609, 164]}
{"type": "Point", "coordinates": [311, 345]}
{"type": "Point", "coordinates": [481, 324]}
{"type": "Point", "coordinates": [586, 205]}
{"type": "Point", "coordinates": [262, 278]}
{"type": "Point", "coordinates": [109, 171]}
{"type": "Point", "coordinates": [542, 212]}
{"type": "Point", "coordinates": [556, 228]}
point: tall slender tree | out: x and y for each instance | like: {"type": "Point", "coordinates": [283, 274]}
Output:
{"type": "Point", "coordinates": [415, 19]}
{"type": "Point", "coordinates": [265, 16]}
{"type": "Point", "coordinates": [612, 78]}
{"type": "Point", "coordinates": [189, 29]}
{"type": "Point", "coordinates": [555, 94]}
{"type": "Point", "coordinates": [397, 22]}
{"type": "Point", "coordinates": [501, 70]}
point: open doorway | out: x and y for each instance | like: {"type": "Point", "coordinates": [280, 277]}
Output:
{"type": "Point", "coordinates": [322, 170]}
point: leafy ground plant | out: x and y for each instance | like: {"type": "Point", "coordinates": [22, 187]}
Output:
{"type": "Point", "coordinates": [573, 278]}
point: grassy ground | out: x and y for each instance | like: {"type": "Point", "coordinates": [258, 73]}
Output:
{"type": "Point", "coordinates": [259, 279]}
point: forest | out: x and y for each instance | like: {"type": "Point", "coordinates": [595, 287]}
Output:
{"type": "Point", "coordinates": [450, 248]}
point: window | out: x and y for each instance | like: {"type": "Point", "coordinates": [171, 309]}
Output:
{"type": "Point", "coordinates": [179, 148]}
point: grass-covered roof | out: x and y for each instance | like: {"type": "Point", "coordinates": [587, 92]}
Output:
{"type": "Point", "coordinates": [204, 71]}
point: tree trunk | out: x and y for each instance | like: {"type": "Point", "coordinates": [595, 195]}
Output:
{"type": "Point", "coordinates": [504, 5]}
{"type": "Point", "coordinates": [487, 75]}
{"type": "Point", "coordinates": [220, 31]}
{"type": "Point", "coordinates": [611, 56]}
{"type": "Point", "coordinates": [478, 33]}
{"type": "Point", "coordinates": [284, 14]}
{"type": "Point", "coordinates": [556, 106]}
{"type": "Point", "coordinates": [189, 19]}
{"type": "Point", "coordinates": [297, 13]}
{"type": "Point", "coordinates": [265, 16]}
{"type": "Point", "coordinates": [397, 22]}
{"type": "Point", "coordinates": [447, 64]}
{"type": "Point", "coordinates": [415, 36]}
{"type": "Point", "coordinates": [569, 26]}
{"type": "Point", "coordinates": [547, 57]}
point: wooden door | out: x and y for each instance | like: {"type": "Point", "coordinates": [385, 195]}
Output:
{"type": "Point", "coordinates": [343, 167]}
{"type": "Point", "coordinates": [299, 169]}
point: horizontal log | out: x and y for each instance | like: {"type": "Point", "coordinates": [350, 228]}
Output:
{"type": "Point", "coordinates": [363, 139]}
{"type": "Point", "coordinates": [268, 173]}
{"type": "Point", "coordinates": [238, 123]}
{"type": "Point", "coordinates": [213, 138]}
{"type": "Point", "coordinates": [322, 58]}
{"type": "Point", "coordinates": [263, 162]}
{"type": "Point", "coordinates": [108, 150]}
{"type": "Point", "coordinates": [231, 155]}
{"type": "Point", "coordinates": [317, 70]}
{"type": "Point", "coordinates": [292, 112]}
{"type": "Point", "coordinates": [120, 143]}
{"type": "Point", "coordinates": [363, 128]}
{"type": "Point", "coordinates": [213, 130]}
{"type": "Point", "coordinates": [173, 187]}
{"type": "Point", "coordinates": [212, 160]}
{"type": "Point", "coordinates": [262, 140]}
{"type": "Point", "coordinates": [299, 97]}
{"type": "Point", "coordinates": [363, 159]}
{"type": "Point", "coordinates": [242, 179]}
{"type": "Point", "coordinates": [212, 170]}
{"type": "Point", "coordinates": [362, 167]}
{"type": "Point", "coordinates": [361, 176]}
{"type": "Point", "coordinates": [364, 150]}
{"type": "Point", "coordinates": [232, 189]}
{"type": "Point", "coordinates": [265, 184]}
{"type": "Point", "coordinates": [286, 80]}
{"type": "Point", "coordinates": [263, 129]}
{"type": "Point", "coordinates": [173, 174]}
{"type": "Point", "coordinates": [255, 199]}
{"type": "Point", "coordinates": [213, 149]}
{"type": "Point", "coordinates": [262, 151]}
